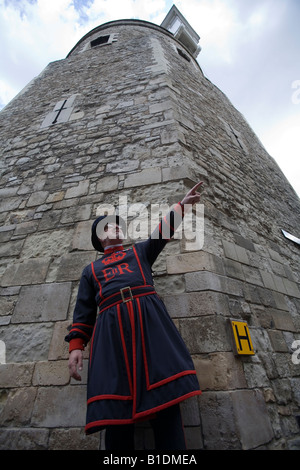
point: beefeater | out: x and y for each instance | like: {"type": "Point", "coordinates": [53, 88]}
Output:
{"type": "Point", "coordinates": [139, 367]}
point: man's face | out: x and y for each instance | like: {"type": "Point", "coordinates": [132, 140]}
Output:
{"type": "Point", "coordinates": [113, 231]}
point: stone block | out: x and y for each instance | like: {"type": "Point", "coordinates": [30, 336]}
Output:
{"type": "Point", "coordinates": [7, 303]}
{"type": "Point", "coordinates": [76, 214]}
{"type": "Point", "coordinates": [51, 373]}
{"type": "Point", "coordinates": [277, 340]}
{"type": "Point", "coordinates": [59, 348]}
{"type": "Point", "coordinates": [234, 269]}
{"type": "Point", "coordinates": [220, 371]}
{"type": "Point", "coordinates": [73, 439]}
{"type": "Point", "coordinates": [60, 407]}
{"type": "Point", "coordinates": [245, 243]}
{"type": "Point", "coordinates": [18, 407]}
{"type": "Point", "coordinates": [177, 172]}
{"type": "Point", "coordinates": [16, 375]}
{"type": "Point", "coordinates": [54, 243]}
{"type": "Point", "coordinates": [235, 252]}
{"type": "Point", "coordinates": [10, 204]}
{"type": "Point", "coordinates": [251, 418]}
{"type": "Point", "coordinates": [218, 423]}
{"type": "Point", "coordinates": [252, 275]}
{"type": "Point", "coordinates": [37, 198]}
{"type": "Point", "coordinates": [121, 166]}
{"type": "Point", "coordinates": [32, 271]}
{"type": "Point", "coordinates": [291, 288]}
{"type": "Point", "coordinates": [268, 280]}
{"type": "Point", "coordinates": [196, 261]}
{"type": "Point", "coordinates": [26, 342]}
{"type": "Point", "coordinates": [196, 303]}
{"type": "Point", "coordinates": [190, 412]}
{"type": "Point", "coordinates": [10, 249]}
{"type": "Point", "coordinates": [201, 281]}
{"type": "Point", "coordinates": [78, 191]}
{"type": "Point", "coordinates": [24, 228]}
{"type": "Point", "coordinates": [205, 334]}
{"type": "Point", "coordinates": [70, 266]}
{"type": "Point", "coordinates": [82, 237]}
{"type": "Point", "coordinates": [144, 177]}
{"type": "Point", "coordinates": [107, 183]}
{"type": "Point", "coordinates": [43, 303]}
{"type": "Point", "coordinates": [193, 437]}
{"type": "Point", "coordinates": [160, 107]}
{"type": "Point", "coordinates": [235, 420]}
{"type": "Point", "coordinates": [24, 439]}
{"type": "Point", "coordinates": [282, 320]}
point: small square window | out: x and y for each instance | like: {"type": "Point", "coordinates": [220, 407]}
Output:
{"type": "Point", "coordinates": [100, 40]}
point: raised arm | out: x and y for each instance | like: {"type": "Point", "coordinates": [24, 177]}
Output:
{"type": "Point", "coordinates": [168, 225]}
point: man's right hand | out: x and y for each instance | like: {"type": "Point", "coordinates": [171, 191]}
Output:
{"type": "Point", "coordinates": [75, 362]}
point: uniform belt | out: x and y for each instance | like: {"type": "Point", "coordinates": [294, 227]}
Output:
{"type": "Point", "coordinates": [126, 294]}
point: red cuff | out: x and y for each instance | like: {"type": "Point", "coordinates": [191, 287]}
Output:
{"type": "Point", "coordinates": [76, 343]}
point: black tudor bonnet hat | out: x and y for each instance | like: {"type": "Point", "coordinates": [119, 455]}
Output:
{"type": "Point", "coordinates": [109, 218]}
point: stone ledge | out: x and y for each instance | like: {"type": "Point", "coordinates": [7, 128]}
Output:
{"type": "Point", "coordinates": [196, 261]}
{"type": "Point", "coordinates": [207, 281]}
{"type": "Point", "coordinates": [51, 373]}
{"type": "Point", "coordinates": [24, 438]}
{"type": "Point", "coordinates": [196, 303]}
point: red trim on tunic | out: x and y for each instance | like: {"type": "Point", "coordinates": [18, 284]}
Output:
{"type": "Point", "coordinates": [124, 349]}
{"type": "Point", "coordinates": [97, 280]}
{"type": "Point", "coordinates": [92, 343]}
{"type": "Point", "coordinates": [109, 397]}
{"type": "Point", "coordinates": [167, 379]}
{"type": "Point", "coordinates": [131, 318]}
{"type": "Point", "coordinates": [143, 414]}
{"type": "Point", "coordinates": [80, 331]}
{"type": "Point", "coordinates": [83, 324]}
{"type": "Point", "coordinates": [140, 266]}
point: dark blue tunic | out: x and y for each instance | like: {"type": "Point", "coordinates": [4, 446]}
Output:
{"type": "Point", "coordinates": [138, 361]}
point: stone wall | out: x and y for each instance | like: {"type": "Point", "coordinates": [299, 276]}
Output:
{"type": "Point", "coordinates": [140, 121]}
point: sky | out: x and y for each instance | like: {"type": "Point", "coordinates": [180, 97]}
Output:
{"type": "Point", "coordinates": [250, 50]}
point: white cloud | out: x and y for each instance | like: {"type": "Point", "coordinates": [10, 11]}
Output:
{"type": "Point", "coordinates": [225, 27]}
{"type": "Point", "coordinates": [36, 32]}
{"type": "Point", "coordinates": [282, 143]}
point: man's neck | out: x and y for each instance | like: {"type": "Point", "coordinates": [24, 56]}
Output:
{"type": "Point", "coordinates": [111, 248]}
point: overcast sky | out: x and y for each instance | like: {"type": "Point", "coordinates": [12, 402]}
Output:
{"type": "Point", "coordinates": [250, 50]}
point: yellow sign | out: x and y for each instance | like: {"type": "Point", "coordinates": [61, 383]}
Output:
{"type": "Point", "coordinates": [242, 338]}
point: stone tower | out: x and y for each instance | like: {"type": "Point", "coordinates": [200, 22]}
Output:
{"type": "Point", "coordinates": [129, 114]}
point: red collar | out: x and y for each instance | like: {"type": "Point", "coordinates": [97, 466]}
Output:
{"type": "Point", "coordinates": [113, 249]}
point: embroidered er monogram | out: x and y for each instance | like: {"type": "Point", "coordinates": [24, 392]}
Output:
{"type": "Point", "coordinates": [110, 273]}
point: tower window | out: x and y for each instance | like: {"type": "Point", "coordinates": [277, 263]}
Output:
{"type": "Point", "coordinates": [186, 57]}
{"type": "Point", "coordinates": [100, 40]}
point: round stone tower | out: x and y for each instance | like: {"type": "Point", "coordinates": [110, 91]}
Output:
{"type": "Point", "coordinates": [128, 119]}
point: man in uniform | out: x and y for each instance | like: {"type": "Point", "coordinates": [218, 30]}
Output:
{"type": "Point", "coordinates": [139, 366]}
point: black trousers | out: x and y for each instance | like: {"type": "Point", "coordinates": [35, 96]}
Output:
{"type": "Point", "coordinates": [167, 428]}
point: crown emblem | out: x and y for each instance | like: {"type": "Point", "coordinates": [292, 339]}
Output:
{"type": "Point", "coordinates": [114, 257]}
